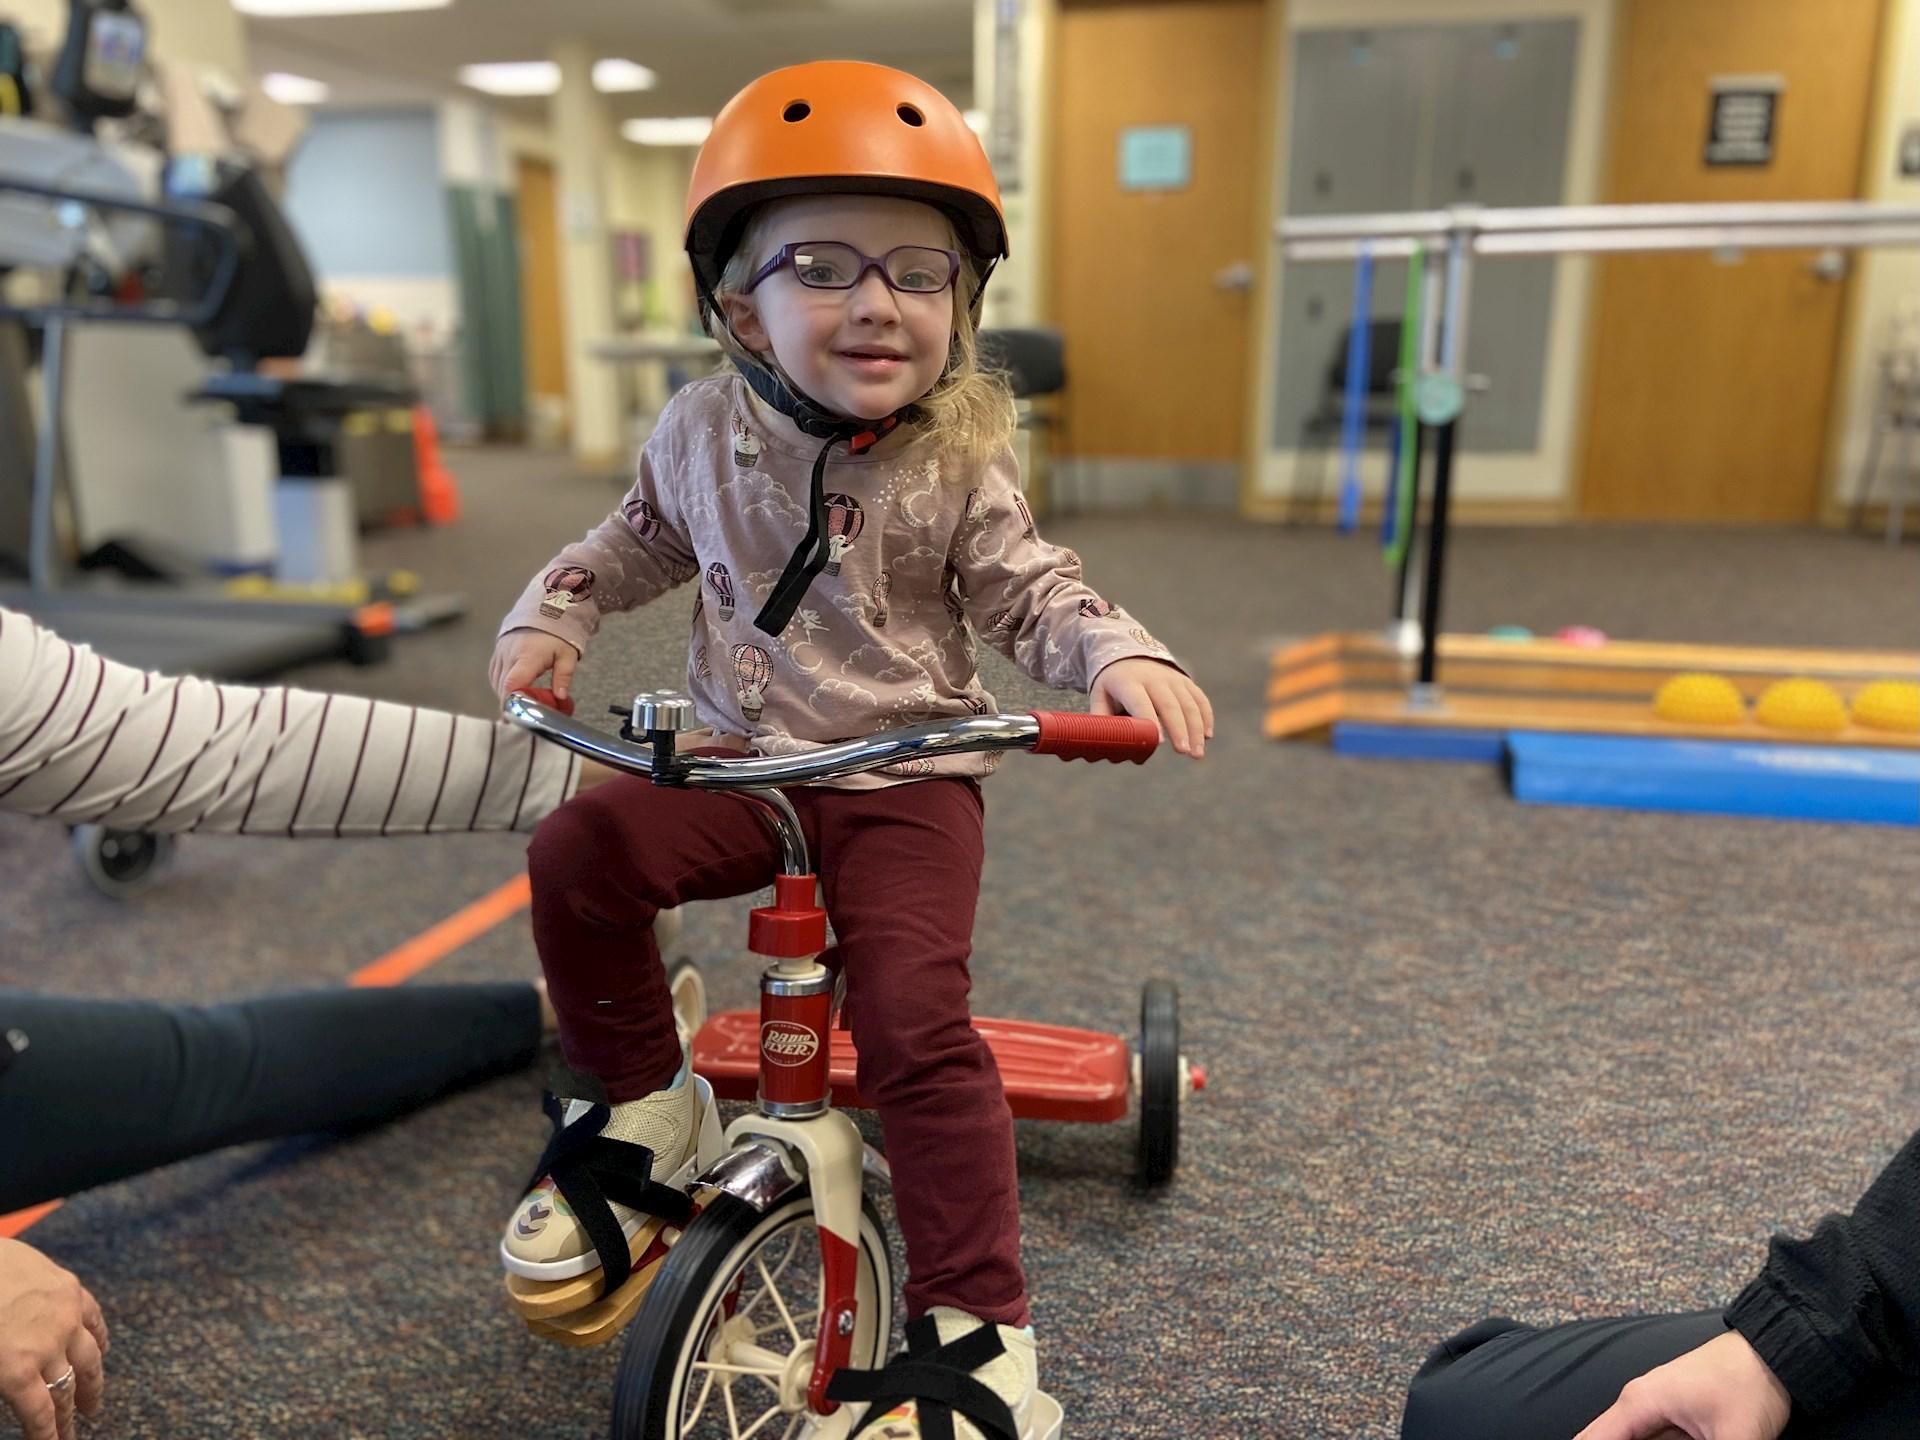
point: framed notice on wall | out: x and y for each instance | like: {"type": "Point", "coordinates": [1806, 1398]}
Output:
{"type": "Point", "coordinates": [1156, 157]}
{"type": "Point", "coordinates": [1743, 117]}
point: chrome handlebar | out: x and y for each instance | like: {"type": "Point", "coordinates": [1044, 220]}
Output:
{"type": "Point", "coordinates": [932, 740]}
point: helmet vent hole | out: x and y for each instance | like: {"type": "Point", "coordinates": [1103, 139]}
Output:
{"type": "Point", "coordinates": [796, 111]}
{"type": "Point", "coordinates": [910, 115]}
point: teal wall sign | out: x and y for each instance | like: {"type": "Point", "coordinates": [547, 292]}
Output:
{"type": "Point", "coordinates": [1156, 157]}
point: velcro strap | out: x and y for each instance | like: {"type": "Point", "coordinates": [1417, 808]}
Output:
{"type": "Point", "coordinates": [937, 1378]}
{"type": "Point", "coordinates": [593, 1172]}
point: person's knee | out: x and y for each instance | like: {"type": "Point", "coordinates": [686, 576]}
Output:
{"type": "Point", "coordinates": [1451, 1397]}
{"type": "Point", "coordinates": [582, 851]}
{"type": "Point", "coordinates": [1437, 1407]}
{"type": "Point", "coordinates": [898, 1060]}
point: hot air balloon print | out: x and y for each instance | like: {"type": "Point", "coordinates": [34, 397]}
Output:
{"type": "Point", "coordinates": [1095, 608]}
{"type": "Point", "coordinates": [844, 521]}
{"type": "Point", "coordinates": [642, 518]}
{"type": "Point", "coordinates": [701, 669]}
{"type": "Point", "coordinates": [882, 589]}
{"type": "Point", "coordinates": [565, 585]}
{"type": "Point", "coordinates": [722, 583]}
{"type": "Point", "coordinates": [1026, 515]}
{"type": "Point", "coordinates": [752, 672]}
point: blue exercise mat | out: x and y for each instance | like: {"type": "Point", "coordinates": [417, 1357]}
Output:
{"type": "Point", "coordinates": [1783, 782]}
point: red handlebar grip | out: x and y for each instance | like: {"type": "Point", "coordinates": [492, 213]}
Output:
{"type": "Point", "coordinates": [1075, 736]}
{"type": "Point", "coordinates": [547, 697]}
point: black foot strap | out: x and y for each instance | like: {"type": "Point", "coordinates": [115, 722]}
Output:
{"type": "Point", "coordinates": [593, 1173]}
{"type": "Point", "coordinates": [938, 1378]}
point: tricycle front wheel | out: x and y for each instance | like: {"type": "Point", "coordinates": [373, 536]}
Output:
{"type": "Point", "coordinates": [723, 1346]}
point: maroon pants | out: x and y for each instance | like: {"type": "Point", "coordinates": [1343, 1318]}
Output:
{"type": "Point", "coordinates": [900, 868]}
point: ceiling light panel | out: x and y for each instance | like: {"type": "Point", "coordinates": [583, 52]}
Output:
{"type": "Point", "coordinates": [621, 77]}
{"type": "Point", "coordinates": [513, 77]}
{"type": "Point", "coordinates": [679, 130]}
{"type": "Point", "coordinates": [293, 89]}
{"type": "Point", "coordinates": [289, 9]}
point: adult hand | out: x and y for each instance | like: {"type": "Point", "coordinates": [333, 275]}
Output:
{"type": "Point", "coordinates": [1721, 1391]}
{"type": "Point", "coordinates": [1154, 690]}
{"type": "Point", "coordinates": [50, 1329]}
{"type": "Point", "coordinates": [521, 657]}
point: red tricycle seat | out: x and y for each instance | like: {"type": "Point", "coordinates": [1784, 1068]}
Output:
{"type": "Point", "coordinates": [1051, 1072]}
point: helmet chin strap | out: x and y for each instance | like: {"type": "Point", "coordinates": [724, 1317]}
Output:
{"type": "Point", "coordinates": [809, 558]}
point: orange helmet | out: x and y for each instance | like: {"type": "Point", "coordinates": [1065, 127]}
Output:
{"type": "Point", "coordinates": [833, 127]}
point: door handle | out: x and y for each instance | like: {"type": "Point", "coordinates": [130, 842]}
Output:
{"type": "Point", "coordinates": [1829, 264]}
{"type": "Point", "coordinates": [1237, 276]}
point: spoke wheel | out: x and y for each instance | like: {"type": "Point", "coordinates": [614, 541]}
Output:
{"type": "Point", "coordinates": [723, 1346]}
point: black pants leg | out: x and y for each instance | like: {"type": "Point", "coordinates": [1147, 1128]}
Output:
{"type": "Point", "coordinates": [1500, 1380]}
{"type": "Point", "coordinates": [103, 1089]}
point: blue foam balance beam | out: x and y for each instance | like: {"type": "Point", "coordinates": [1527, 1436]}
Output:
{"type": "Point", "coordinates": [1782, 782]}
{"type": "Point", "coordinates": [1419, 742]}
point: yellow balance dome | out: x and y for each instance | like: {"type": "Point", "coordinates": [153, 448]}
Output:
{"type": "Point", "coordinates": [1889, 705]}
{"type": "Point", "coordinates": [1801, 704]}
{"type": "Point", "coordinates": [1700, 700]}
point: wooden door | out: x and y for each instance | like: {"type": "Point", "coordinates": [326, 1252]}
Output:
{"type": "Point", "coordinates": [542, 315]}
{"type": "Point", "coordinates": [1153, 288]}
{"type": "Point", "coordinates": [1711, 377]}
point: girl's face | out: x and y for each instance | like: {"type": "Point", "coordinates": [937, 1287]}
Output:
{"type": "Point", "coordinates": [865, 352]}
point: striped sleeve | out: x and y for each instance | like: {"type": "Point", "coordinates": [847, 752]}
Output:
{"type": "Point", "coordinates": [84, 739]}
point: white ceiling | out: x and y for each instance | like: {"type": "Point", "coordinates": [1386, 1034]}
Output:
{"type": "Point", "coordinates": [702, 50]}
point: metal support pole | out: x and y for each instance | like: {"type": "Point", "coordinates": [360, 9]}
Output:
{"type": "Point", "coordinates": [1453, 352]}
{"type": "Point", "coordinates": [1432, 317]}
{"type": "Point", "coordinates": [1403, 579]}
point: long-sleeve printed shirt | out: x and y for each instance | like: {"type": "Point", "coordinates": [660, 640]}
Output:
{"type": "Point", "coordinates": [85, 739]}
{"type": "Point", "coordinates": [924, 562]}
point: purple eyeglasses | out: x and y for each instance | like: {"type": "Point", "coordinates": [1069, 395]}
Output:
{"type": "Point", "coordinates": [833, 265]}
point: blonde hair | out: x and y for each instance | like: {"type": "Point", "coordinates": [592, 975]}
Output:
{"type": "Point", "coordinates": [969, 411]}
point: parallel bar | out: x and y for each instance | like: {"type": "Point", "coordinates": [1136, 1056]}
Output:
{"type": "Point", "coordinates": [1628, 217]}
{"type": "Point", "coordinates": [1701, 237]}
{"type": "Point", "coordinates": [1573, 229]}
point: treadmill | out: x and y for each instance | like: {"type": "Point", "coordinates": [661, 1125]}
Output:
{"type": "Point", "coordinates": [233, 273]}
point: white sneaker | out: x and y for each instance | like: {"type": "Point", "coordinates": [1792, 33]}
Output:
{"type": "Point", "coordinates": [1013, 1375]}
{"type": "Point", "coordinates": [544, 1241]}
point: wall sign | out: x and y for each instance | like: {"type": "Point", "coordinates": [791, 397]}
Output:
{"type": "Point", "coordinates": [1156, 157]}
{"type": "Point", "coordinates": [1742, 117]}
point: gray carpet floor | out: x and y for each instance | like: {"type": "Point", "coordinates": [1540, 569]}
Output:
{"type": "Point", "coordinates": [1467, 1056]}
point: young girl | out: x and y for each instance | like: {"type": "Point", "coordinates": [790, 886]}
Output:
{"type": "Point", "coordinates": [849, 507]}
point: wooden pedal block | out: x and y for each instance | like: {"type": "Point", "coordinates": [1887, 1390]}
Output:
{"type": "Point", "coordinates": [545, 1299]}
{"type": "Point", "coordinates": [601, 1321]}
